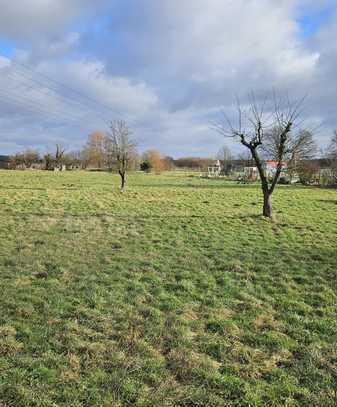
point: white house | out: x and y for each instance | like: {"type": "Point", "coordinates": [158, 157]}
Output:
{"type": "Point", "coordinates": [215, 169]}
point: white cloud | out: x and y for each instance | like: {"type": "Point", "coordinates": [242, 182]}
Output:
{"type": "Point", "coordinates": [164, 65]}
{"type": "Point", "coordinates": [80, 96]}
{"type": "Point", "coordinates": [24, 19]}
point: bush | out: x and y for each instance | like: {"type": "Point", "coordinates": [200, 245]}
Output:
{"type": "Point", "coordinates": [146, 166]}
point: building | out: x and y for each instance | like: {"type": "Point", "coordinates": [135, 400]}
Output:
{"type": "Point", "coordinates": [215, 169]}
{"type": "Point", "coordinates": [271, 167]}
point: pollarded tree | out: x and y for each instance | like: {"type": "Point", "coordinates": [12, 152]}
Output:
{"type": "Point", "coordinates": [122, 149]}
{"type": "Point", "coordinates": [259, 130]}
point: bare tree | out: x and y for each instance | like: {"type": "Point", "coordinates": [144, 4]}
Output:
{"type": "Point", "coordinates": [308, 172]}
{"type": "Point", "coordinates": [25, 159]}
{"type": "Point", "coordinates": [245, 159]}
{"type": "Point", "coordinates": [122, 148]}
{"type": "Point", "coordinates": [30, 157]}
{"type": "Point", "coordinates": [48, 161]}
{"type": "Point", "coordinates": [259, 130]}
{"type": "Point", "coordinates": [59, 155]}
{"type": "Point", "coordinates": [226, 157]}
{"type": "Point", "coordinates": [95, 151]}
{"type": "Point", "coordinates": [332, 151]}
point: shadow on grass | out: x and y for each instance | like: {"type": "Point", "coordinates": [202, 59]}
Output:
{"type": "Point", "coordinates": [328, 201]}
{"type": "Point", "coordinates": [22, 188]}
{"type": "Point", "coordinates": [40, 189]}
{"type": "Point", "coordinates": [195, 186]}
{"type": "Point", "coordinates": [255, 216]}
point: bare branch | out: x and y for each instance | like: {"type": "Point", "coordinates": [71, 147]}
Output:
{"type": "Point", "coordinates": [271, 134]}
{"type": "Point", "coordinates": [122, 147]}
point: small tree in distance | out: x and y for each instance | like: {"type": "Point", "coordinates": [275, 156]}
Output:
{"type": "Point", "coordinates": [59, 155]}
{"type": "Point", "coordinates": [226, 157]}
{"type": "Point", "coordinates": [333, 146]}
{"type": "Point", "coordinates": [95, 150]}
{"type": "Point", "coordinates": [146, 166]}
{"type": "Point", "coordinates": [259, 131]}
{"type": "Point", "coordinates": [48, 161]}
{"type": "Point", "coordinates": [155, 161]}
{"type": "Point", "coordinates": [122, 148]}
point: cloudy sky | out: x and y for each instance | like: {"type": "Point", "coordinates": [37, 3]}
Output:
{"type": "Point", "coordinates": [168, 67]}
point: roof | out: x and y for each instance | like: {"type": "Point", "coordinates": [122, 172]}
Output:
{"type": "Point", "coordinates": [273, 164]}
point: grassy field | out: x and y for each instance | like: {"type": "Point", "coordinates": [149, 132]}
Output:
{"type": "Point", "coordinates": [175, 293]}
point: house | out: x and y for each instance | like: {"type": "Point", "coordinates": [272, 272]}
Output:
{"type": "Point", "coordinates": [251, 173]}
{"type": "Point", "coordinates": [215, 169]}
{"type": "Point", "coordinates": [271, 167]}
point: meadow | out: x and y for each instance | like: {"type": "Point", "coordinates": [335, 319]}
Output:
{"type": "Point", "coordinates": [175, 293]}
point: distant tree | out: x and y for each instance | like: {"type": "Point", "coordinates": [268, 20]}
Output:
{"type": "Point", "coordinates": [48, 161]}
{"type": "Point", "coordinates": [169, 164]}
{"type": "Point", "coordinates": [122, 148]}
{"type": "Point", "coordinates": [193, 163]}
{"type": "Point", "coordinates": [30, 157]}
{"type": "Point", "coordinates": [155, 160]}
{"type": "Point", "coordinates": [25, 159]}
{"type": "Point", "coordinates": [145, 166]}
{"type": "Point", "coordinates": [109, 157]}
{"type": "Point", "coordinates": [256, 137]}
{"type": "Point", "coordinates": [226, 158]}
{"type": "Point", "coordinates": [73, 159]}
{"type": "Point", "coordinates": [14, 162]}
{"type": "Point", "coordinates": [135, 160]}
{"type": "Point", "coordinates": [333, 146]}
{"type": "Point", "coordinates": [307, 172]}
{"type": "Point", "coordinates": [96, 150]}
{"type": "Point", "coordinates": [59, 156]}
{"type": "Point", "coordinates": [245, 159]}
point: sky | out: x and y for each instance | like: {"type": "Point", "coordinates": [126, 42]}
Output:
{"type": "Point", "coordinates": [168, 67]}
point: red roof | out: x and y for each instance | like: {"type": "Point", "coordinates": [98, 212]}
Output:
{"type": "Point", "coordinates": [273, 163]}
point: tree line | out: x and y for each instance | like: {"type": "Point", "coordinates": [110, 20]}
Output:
{"type": "Point", "coordinates": [264, 133]}
{"type": "Point", "coordinates": [97, 154]}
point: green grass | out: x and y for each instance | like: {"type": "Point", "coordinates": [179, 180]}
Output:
{"type": "Point", "coordinates": [175, 293]}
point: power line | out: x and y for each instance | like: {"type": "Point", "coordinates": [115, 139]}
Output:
{"type": "Point", "coordinates": [60, 98]}
{"type": "Point", "coordinates": [53, 83]}
{"type": "Point", "coordinates": [48, 83]}
{"type": "Point", "coordinates": [36, 107]}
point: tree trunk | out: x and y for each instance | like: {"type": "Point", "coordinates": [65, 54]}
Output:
{"type": "Point", "coordinates": [267, 207]}
{"type": "Point", "coordinates": [122, 174]}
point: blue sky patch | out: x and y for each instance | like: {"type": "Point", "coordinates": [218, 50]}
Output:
{"type": "Point", "coordinates": [311, 23]}
{"type": "Point", "coordinates": [6, 48]}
